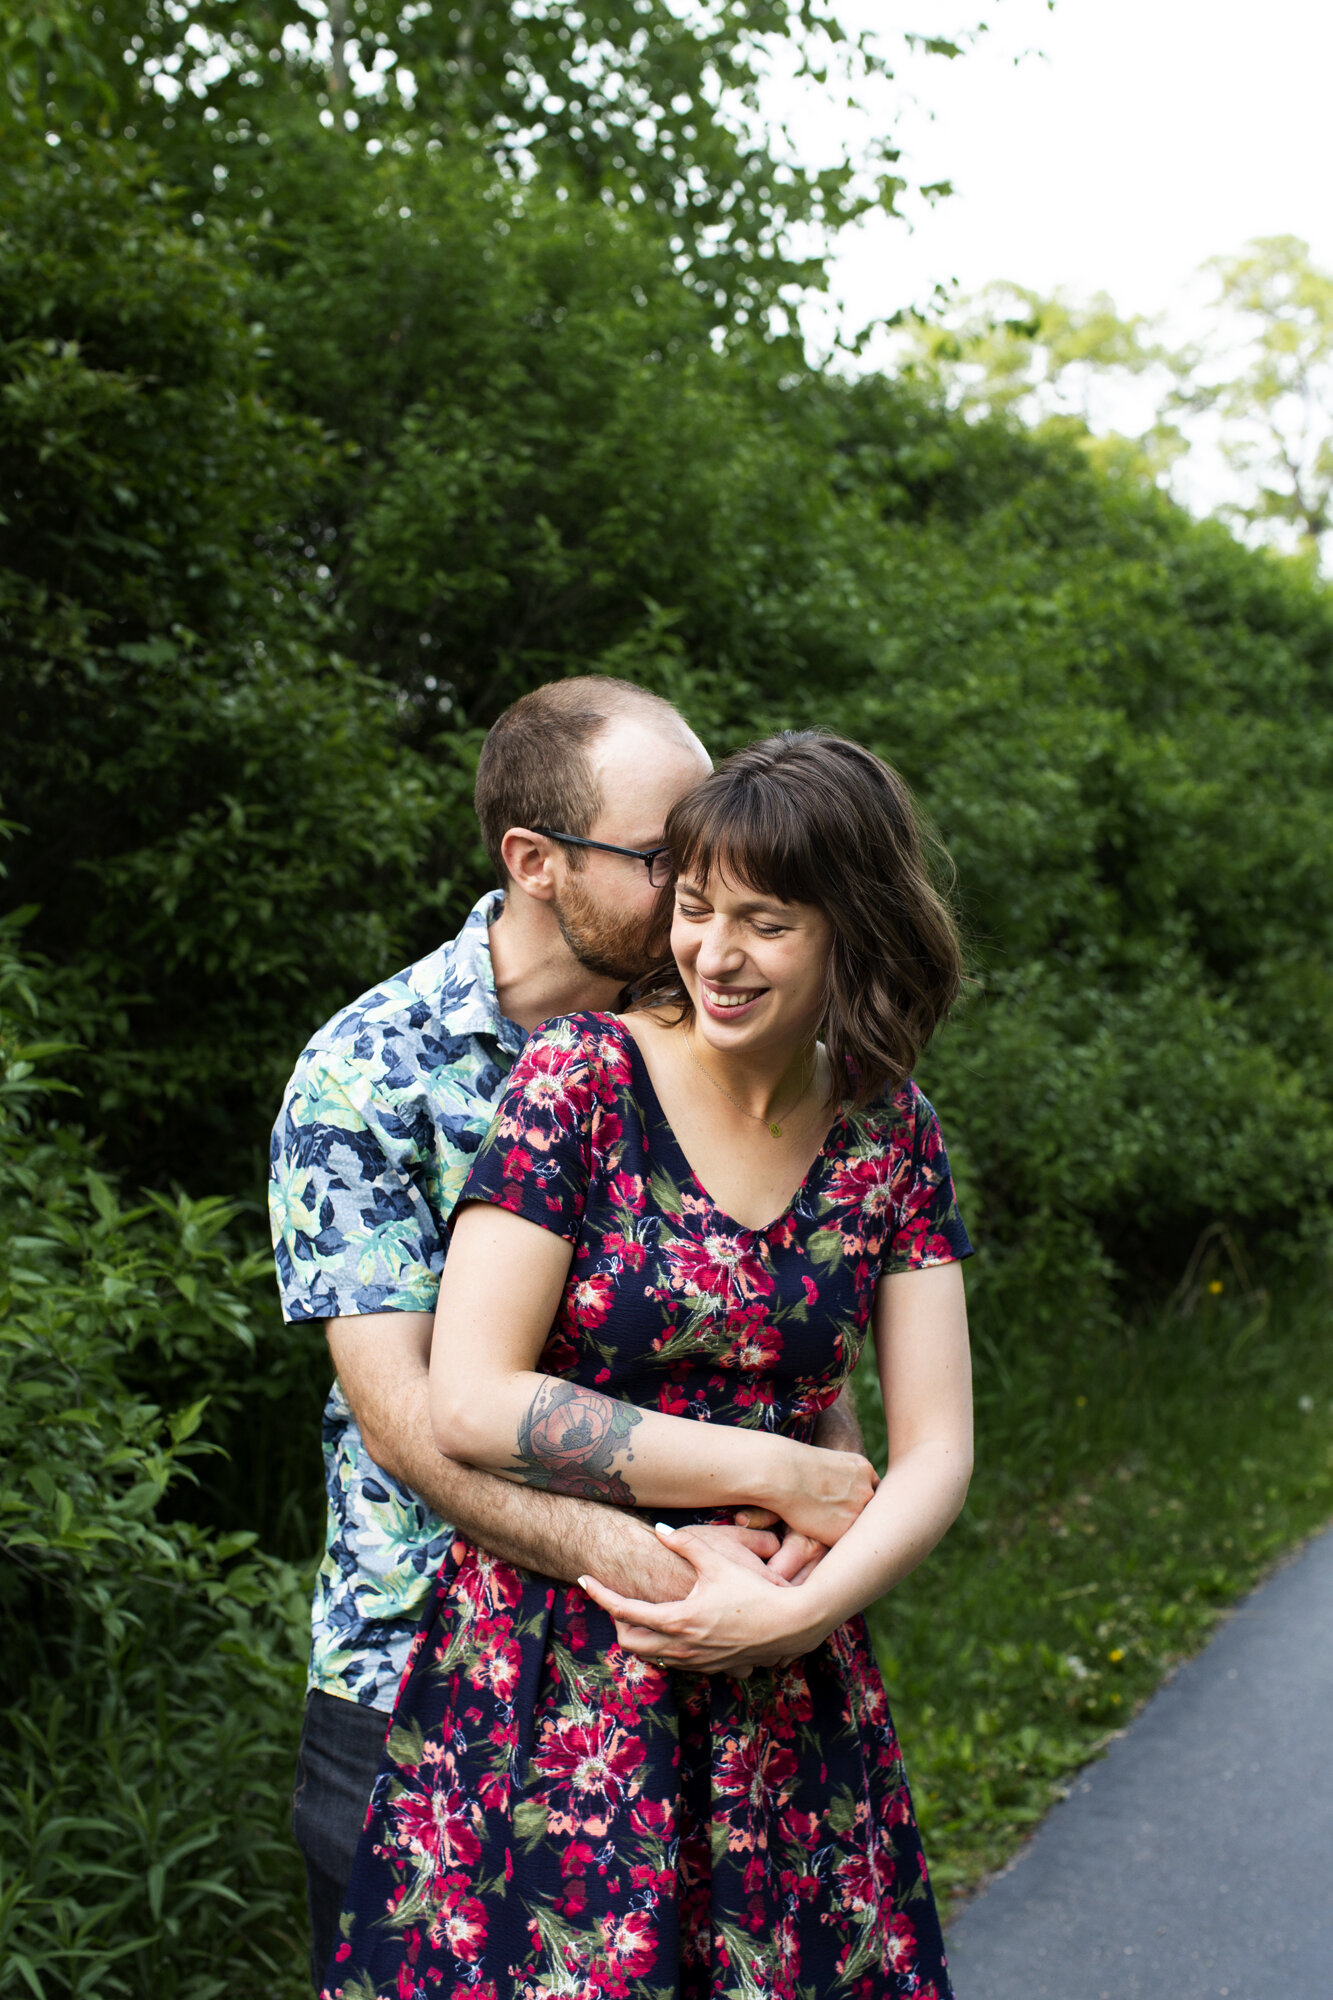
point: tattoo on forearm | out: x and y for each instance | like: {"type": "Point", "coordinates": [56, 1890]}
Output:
{"type": "Point", "coordinates": [568, 1438]}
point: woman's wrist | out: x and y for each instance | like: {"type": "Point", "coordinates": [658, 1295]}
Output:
{"type": "Point", "coordinates": [831, 1600]}
{"type": "Point", "coordinates": [780, 1472]}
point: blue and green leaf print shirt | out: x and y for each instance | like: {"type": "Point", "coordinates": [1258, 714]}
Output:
{"type": "Point", "coordinates": [383, 1114]}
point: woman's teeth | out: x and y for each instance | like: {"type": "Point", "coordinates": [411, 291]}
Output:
{"type": "Point", "coordinates": [717, 999]}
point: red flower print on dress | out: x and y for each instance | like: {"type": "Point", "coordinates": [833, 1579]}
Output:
{"type": "Point", "coordinates": [589, 1300]}
{"type": "Point", "coordinates": [867, 1184]}
{"type": "Point", "coordinates": [613, 1061]}
{"type": "Point", "coordinates": [554, 1082]}
{"type": "Point", "coordinates": [607, 1129]}
{"type": "Point", "coordinates": [629, 1191]}
{"type": "Point", "coordinates": [575, 1858]}
{"type": "Point", "coordinates": [758, 1343]}
{"type": "Point", "coordinates": [721, 1268]}
{"type": "Point", "coordinates": [628, 1253]}
{"type": "Point", "coordinates": [631, 1942]}
{"type": "Point", "coordinates": [436, 1827]}
{"type": "Point", "coordinates": [756, 1770]}
{"type": "Point", "coordinates": [635, 1683]}
{"type": "Point", "coordinates": [500, 1665]}
{"type": "Point", "coordinates": [460, 1922]}
{"type": "Point", "coordinates": [900, 1941]}
{"type": "Point", "coordinates": [485, 1583]}
{"type": "Point", "coordinates": [596, 1760]}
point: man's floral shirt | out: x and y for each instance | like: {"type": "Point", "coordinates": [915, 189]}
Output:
{"type": "Point", "coordinates": [379, 1125]}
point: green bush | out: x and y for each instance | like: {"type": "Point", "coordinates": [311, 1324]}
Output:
{"type": "Point", "coordinates": [151, 1673]}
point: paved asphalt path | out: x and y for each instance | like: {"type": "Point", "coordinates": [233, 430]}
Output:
{"type": "Point", "coordinates": [1196, 1859]}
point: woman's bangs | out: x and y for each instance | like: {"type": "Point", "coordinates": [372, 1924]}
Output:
{"type": "Point", "coordinates": [742, 840]}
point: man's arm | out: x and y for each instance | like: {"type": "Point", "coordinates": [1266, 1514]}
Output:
{"type": "Point", "coordinates": [383, 1363]}
{"type": "Point", "coordinates": [838, 1427]}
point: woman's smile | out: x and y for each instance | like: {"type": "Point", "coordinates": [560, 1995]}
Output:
{"type": "Point", "coordinates": [729, 1002]}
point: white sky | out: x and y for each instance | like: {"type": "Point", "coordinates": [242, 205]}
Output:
{"type": "Point", "coordinates": [1099, 145]}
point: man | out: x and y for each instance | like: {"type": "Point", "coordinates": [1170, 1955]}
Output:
{"type": "Point", "coordinates": [381, 1118]}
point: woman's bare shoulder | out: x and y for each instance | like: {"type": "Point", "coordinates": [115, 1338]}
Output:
{"type": "Point", "coordinates": [646, 1026]}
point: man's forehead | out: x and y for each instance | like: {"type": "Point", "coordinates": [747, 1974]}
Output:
{"type": "Point", "coordinates": [641, 767]}
{"type": "Point", "coordinates": [638, 735]}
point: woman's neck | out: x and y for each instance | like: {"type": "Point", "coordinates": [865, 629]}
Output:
{"type": "Point", "coordinates": [766, 1084]}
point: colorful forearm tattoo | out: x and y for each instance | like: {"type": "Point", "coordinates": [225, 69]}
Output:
{"type": "Point", "coordinates": [568, 1438]}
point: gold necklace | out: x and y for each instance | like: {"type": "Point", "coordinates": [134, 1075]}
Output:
{"type": "Point", "coordinates": [774, 1125]}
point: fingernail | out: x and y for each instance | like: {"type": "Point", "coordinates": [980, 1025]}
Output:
{"type": "Point", "coordinates": [663, 1529]}
{"type": "Point", "coordinates": [584, 1581]}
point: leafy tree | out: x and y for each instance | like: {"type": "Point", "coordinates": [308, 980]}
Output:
{"type": "Point", "coordinates": [1263, 375]}
{"type": "Point", "coordinates": [635, 102]}
{"type": "Point", "coordinates": [554, 466]}
{"type": "Point", "coordinates": [218, 818]}
{"type": "Point", "coordinates": [1009, 350]}
{"type": "Point", "coordinates": [1268, 375]}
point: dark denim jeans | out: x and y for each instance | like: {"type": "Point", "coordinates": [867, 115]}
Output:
{"type": "Point", "coordinates": [335, 1771]}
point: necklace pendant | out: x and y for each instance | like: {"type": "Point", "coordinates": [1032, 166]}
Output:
{"type": "Point", "coordinates": [776, 1130]}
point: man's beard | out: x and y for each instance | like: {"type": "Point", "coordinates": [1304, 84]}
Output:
{"type": "Point", "coordinates": [611, 944]}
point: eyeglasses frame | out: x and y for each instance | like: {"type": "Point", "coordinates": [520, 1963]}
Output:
{"type": "Point", "coordinates": [648, 855]}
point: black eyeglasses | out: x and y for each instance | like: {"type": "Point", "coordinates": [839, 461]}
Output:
{"type": "Point", "coordinates": [657, 860]}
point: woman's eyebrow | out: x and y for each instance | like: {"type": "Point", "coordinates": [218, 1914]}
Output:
{"type": "Point", "coordinates": [773, 904]}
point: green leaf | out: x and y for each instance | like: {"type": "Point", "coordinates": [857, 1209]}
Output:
{"type": "Point", "coordinates": [825, 1248]}
{"type": "Point", "coordinates": [186, 1422]}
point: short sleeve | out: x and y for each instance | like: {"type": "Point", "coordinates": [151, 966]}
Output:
{"type": "Point", "coordinates": [928, 1228]}
{"type": "Point", "coordinates": [537, 1158]}
{"type": "Point", "coordinates": [352, 1229]}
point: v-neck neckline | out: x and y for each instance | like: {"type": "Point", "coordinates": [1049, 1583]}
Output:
{"type": "Point", "coordinates": [653, 1106]}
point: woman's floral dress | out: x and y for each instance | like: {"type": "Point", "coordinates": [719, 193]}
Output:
{"type": "Point", "coordinates": [555, 1817]}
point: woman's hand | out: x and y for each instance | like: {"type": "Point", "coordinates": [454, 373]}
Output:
{"type": "Point", "coordinates": [736, 1618]}
{"type": "Point", "coordinates": [819, 1493]}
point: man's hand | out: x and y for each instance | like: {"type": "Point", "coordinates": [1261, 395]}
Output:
{"type": "Point", "coordinates": [755, 1549]}
{"type": "Point", "coordinates": [736, 1618]}
{"type": "Point", "coordinates": [798, 1557]}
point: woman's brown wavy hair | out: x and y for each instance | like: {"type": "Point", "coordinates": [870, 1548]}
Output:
{"type": "Point", "coordinates": [810, 818]}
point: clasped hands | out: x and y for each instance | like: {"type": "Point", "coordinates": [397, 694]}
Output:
{"type": "Point", "coordinates": [747, 1607]}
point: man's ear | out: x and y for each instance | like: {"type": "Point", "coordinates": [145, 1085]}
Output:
{"type": "Point", "coordinates": [531, 861]}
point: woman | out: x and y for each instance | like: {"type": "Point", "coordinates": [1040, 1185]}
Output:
{"type": "Point", "coordinates": [681, 1226]}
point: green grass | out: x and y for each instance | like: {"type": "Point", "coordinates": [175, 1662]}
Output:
{"type": "Point", "coordinates": [1128, 1490]}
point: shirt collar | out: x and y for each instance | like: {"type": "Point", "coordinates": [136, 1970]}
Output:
{"type": "Point", "coordinates": [477, 1011]}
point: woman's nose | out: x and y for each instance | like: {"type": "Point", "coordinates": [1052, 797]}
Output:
{"type": "Point", "coordinates": [720, 952]}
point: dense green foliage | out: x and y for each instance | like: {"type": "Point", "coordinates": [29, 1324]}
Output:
{"type": "Point", "coordinates": [151, 1674]}
{"type": "Point", "coordinates": [314, 504]}
{"type": "Point", "coordinates": [310, 466]}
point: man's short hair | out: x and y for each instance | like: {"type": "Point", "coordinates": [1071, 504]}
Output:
{"type": "Point", "coordinates": [535, 769]}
